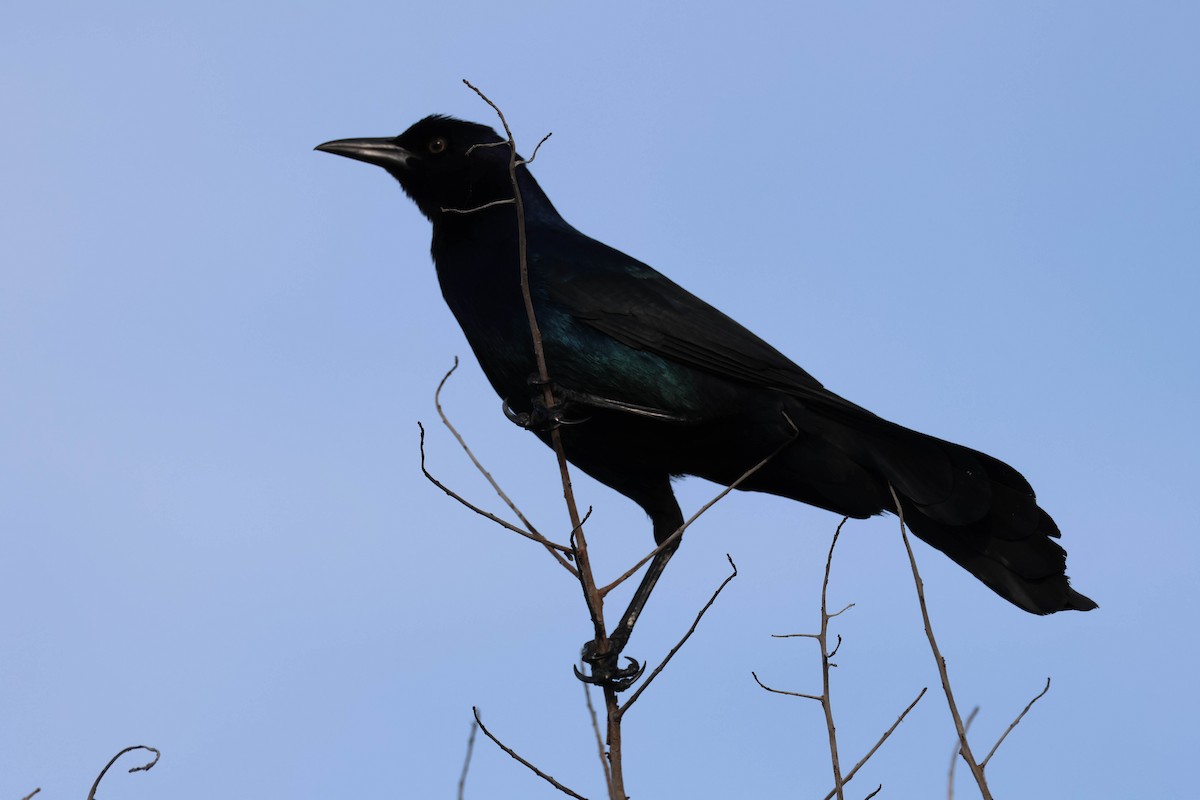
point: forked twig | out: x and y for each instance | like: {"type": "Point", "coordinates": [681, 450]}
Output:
{"type": "Point", "coordinates": [681, 642]}
{"type": "Point", "coordinates": [822, 639]}
{"type": "Point", "coordinates": [437, 402]}
{"type": "Point", "coordinates": [517, 757]}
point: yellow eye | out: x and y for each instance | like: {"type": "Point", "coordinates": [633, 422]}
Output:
{"type": "Point", "coordinates": [437, 146]}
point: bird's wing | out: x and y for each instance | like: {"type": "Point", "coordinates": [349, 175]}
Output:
{"type": "Point", "coordinates": [642, 309]}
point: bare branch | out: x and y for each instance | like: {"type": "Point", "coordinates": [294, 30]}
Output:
{"type": "Point", "coordinates": [502, 523]}
{"type": "Point", "coordinates": [976, 769]}
{"type": "Point", "coordinates": [587, 583]}
{"type": "Point", "coordinates": [879, 743]}
{"type": "Point", "coordinates": [878, 789]}
{"type": "Point", "coordinates": [1014, 724]}
{"type": "Point", "coordinates": [681, 642]}
{"type": "Point", "coordinates": [437, 402]}
{"type": "Point", "coordinates": [113, 760]}
{"type": "Point", "coordinates": [31, 794]}
{"type": "Point", "coordinates": [462, 779]}
{"type": "Point", "coordinates": [816, 697]}
{"type": "Point", "coordinates": [514, 755]}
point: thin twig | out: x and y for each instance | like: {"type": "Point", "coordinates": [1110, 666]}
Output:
{"type": "Point", "coordinates": [976, 770]}
{"type": "Point", "coordinates": [515, 756]}
{"type": "Point", "coordinates": [674, 537]}
{"type": "Point", "coordinates": [31, 794]}
{"type": "Point", "coordinates": [462, 778]}
{"type": "Point", "coordinates": [506, 202]}
{"type": "Point", "coordinates": [958, 752]}
{"type": "Point", "coordinates": [878, 789]}
{"type": "Point", "coordinates": [816, 697]}
{"type": "Point", "coordinates": [113, 760]}
{"type": "Point", "coordinates": [1009, 730]}
{"type": "Point", "coordinates": [437, 403]}
{"type": "Point", "coordinates": [587, 696]}
{"type": "Point", "coordinates": [473, 147]}
{"type": "Point", "coordinates": [586, 516]}
{"type": "Point", "coordinates": [837, 646]}
{"type": "Point", "coordinates": [849, 775]}
{"type": "Point", "coordinates": [538, 147]}
{"type": "Point", "coordinates": [686, 636]}
{"type": "Point", "coordinates": [502, 523]}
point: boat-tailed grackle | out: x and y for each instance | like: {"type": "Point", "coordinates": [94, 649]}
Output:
{"type": "Point", "coordinates": [658, 383]}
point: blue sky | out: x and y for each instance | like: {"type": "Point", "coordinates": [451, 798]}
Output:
{"type": "Point", "coordinates": [977, 220]}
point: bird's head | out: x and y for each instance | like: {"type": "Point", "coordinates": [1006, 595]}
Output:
{"type": "Point", "coordinates": [441, 162]}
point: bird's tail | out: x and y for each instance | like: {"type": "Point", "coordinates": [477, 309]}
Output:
{"type": "Point", "coordinates": [981, 513]}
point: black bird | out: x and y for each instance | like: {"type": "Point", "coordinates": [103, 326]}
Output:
{"type": "Point", "coordinates": [657, 383]}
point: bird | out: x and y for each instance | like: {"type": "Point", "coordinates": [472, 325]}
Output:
{"type": "Point", "coordinates": [650, 383]}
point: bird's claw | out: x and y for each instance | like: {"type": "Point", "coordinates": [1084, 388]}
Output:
{"type": "Point", "coordinates": [606, 673]}
{"type": "Point", "coordinates": [541, 418]}
{"type": "Point", "coordinates": [518, 418]}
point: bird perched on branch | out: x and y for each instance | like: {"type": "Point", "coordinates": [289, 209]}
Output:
{"type": "Point", "coordinates": [650, 382]}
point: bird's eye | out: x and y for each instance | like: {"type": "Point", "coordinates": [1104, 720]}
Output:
{"type": "Point", "coordinates": [437, 146]}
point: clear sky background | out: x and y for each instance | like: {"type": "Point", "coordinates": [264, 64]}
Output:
{"type": "Point", "coordinates": [979, 220]}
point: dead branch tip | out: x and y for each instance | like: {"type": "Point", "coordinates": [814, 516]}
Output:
{"type": "Point", "coordinates": [114, 759]}
{"type": "Point", "coordinates": [513, 754]}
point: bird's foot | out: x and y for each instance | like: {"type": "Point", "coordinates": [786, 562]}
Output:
{"type": "Point", "coordinates": [541, 418]}
{"type": "Point", "coordinates": [604, 670]}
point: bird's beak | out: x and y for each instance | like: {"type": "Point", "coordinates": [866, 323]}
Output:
{"type": "Point", "coordinates": [380, 152]}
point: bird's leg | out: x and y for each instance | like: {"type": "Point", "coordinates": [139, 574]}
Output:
{"type": "Point", "coordinates": [542, 418]}
{"type": "Point", "coordinates": [605, 671]}
{"type": "Point", "coordinates": [604, 663]}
